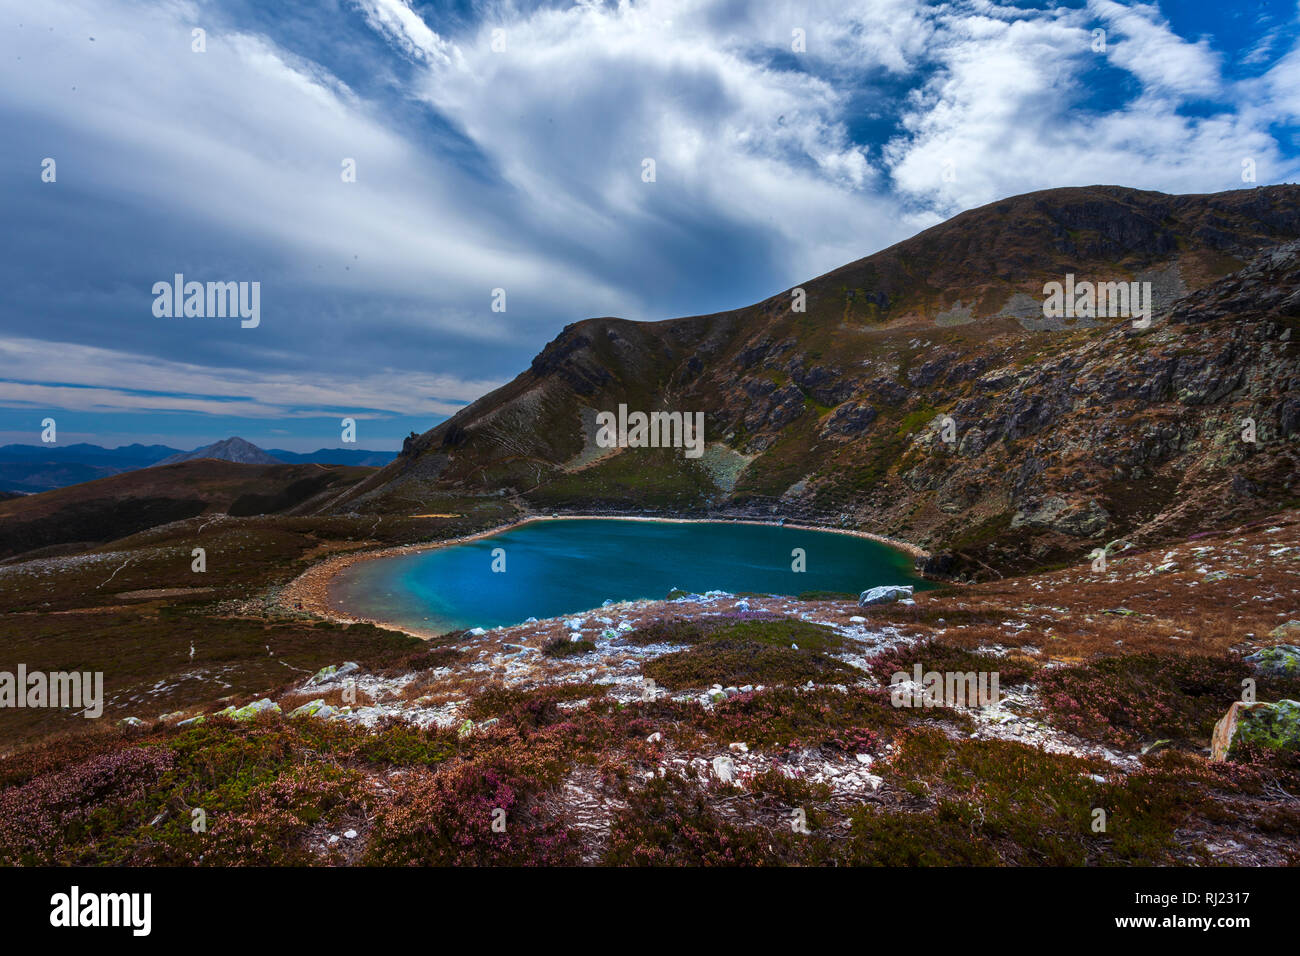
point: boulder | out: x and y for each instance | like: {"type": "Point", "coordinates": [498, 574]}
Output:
{"type": "Point", "coordinates": [314, 708]}
{"type": "Point", "coordinates": [886, 594]}
{"type": "Point", "coordinates": [1288, 629]}
{"type": "Point", "coordinates": [327, 675]}
{"type": "Point", "coordinates": [1280, 661]}
{"type": "Point", "coordinates": [1268, 726]}
{"type": "Point", "coordinates": [250, 711]}
{"type": "Point", "coordinates": [724, 769]}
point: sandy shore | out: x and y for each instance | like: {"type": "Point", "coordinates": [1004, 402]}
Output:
{"type": "Point", "coordinates": [310, 591]}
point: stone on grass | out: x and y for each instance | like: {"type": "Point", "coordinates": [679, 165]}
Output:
{"type": "Point", "coordinates": [250, 711]}
{"type": "Point", "coordinates": [1264, 725]}
{"type": "Point", "coordinates": [724, 769]}
{"type": "Point", "coordinates": [1280, 661]}
{"type": "Point", "coordinates": [327, 675]}
{"type": "Point", "coordinates": [314, 708]}
{"type": "Point", "coordinates": [886, 594]}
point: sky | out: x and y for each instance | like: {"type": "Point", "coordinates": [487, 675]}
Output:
{"type": "Point", "coordinates": [428, 192]}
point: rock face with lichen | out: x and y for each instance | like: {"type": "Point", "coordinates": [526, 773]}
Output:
{"type": "Point", "coordinates": [1282, 660]}
{"type": "Point", "coordinates": [1268, 726]}
{"type": "Point", "coordinates": [1059, 439]}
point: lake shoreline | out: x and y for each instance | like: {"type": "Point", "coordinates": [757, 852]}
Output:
{"type": "Point", "coordinates": [311, 590]}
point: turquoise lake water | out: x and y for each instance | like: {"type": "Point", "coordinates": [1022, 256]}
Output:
{"type": "Point", "coordinates": [565, 566]}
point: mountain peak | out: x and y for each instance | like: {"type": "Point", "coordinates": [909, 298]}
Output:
{"type": "Point", "coordinates": [233, 449]}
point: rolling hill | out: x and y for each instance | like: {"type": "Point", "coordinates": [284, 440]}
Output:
{"type": "Point", "coordinates": [84, 515]}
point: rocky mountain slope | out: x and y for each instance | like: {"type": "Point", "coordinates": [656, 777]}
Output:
{"type": "Point", "coordinates": [921, 394]}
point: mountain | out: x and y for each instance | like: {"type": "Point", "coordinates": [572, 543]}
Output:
{"type": "Point", "coordinates": [1065, 435]}
{"type": "Point", "coordinates": [34, 468]}
{"type": "Point", "coordinates": [231, 449]}
{"type": "Point", "coordinates": [85, 453]}
{"type": "Point", "coordinates": [336, 456]}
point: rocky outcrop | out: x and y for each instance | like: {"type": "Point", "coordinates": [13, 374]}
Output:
{"type": "Point", "coordinates": [1258, 725]}
{"type": "Point", "coordinates": [1282, 660]}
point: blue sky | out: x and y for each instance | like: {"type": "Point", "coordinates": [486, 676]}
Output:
{"type": "Point", "coordinates": [501, 146]}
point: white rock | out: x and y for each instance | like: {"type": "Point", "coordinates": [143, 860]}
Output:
{"type": "Point", "coordinates": [884, 594]}
{"type": "Point", "coordinates": [724, 769]}
{"type": "Point", "coordinates": [740, 747]}
{"type": "Point", "coordinates": [350, 834]}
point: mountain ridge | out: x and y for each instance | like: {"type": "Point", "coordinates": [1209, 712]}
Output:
{"type": "Point", "coordinates": [830, 414]}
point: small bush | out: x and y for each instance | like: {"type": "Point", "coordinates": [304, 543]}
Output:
{"type": "Point", "coordinates": [447, 818]}
{"type": "Point", "coordinates": [564, 647]}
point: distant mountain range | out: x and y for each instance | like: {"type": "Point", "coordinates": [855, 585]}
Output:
{"type": "Point", "coordinates": [34, 468]}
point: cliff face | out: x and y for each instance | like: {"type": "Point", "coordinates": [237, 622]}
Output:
{"type": "Point", "coordinates": [921, 393]}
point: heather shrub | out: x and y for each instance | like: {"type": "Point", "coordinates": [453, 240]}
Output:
{"type": "Point", "coordinates": [527, 708]}
{"type": "Point", "coordinates": [671, 631]}
{"type": "Point", "coordinates": [944, 658]}
{"type": "Point", "coordinates": [733, 661]}
{"type": "Point", "coordinates": [669, 821]}
{"type": "Point", "coordinates": [794, 717]}
{"type": "Point", "coordinates": [270, 828]}
{"type": "Point", "coordinates": [1035, 808]}
{"type": "Point", "coordinates": [398, 743]}
{"type": "Point", "coordinates": [564, 647]}
{"type": "Point", "coordinates": [752, 626]}
{"type": "Point", "coordinates": [445, 818]}
{"type": "Point", "coordinates": [55, 817]}
{"type": "Point", "coordinates": [1125, 700]}
{"type": "Point", "coordinates": [787, 792]}
{"type": "Point", "coordinates": [944, 836]}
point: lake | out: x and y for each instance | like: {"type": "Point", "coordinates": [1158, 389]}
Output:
{"type": "Point", "coordinates": [568, 565]}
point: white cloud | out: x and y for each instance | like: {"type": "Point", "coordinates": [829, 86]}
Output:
{"type": "Point", "coordinates": [1009, 106]}
{"type": "Point", "coordinates": [759, 152]}
{"type": "Point", "coordinates": [1148, 48]}
{"type": "Point", "coordinates": [396, 20]}
{"type": "Point", "coordinates": [110, 380]}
